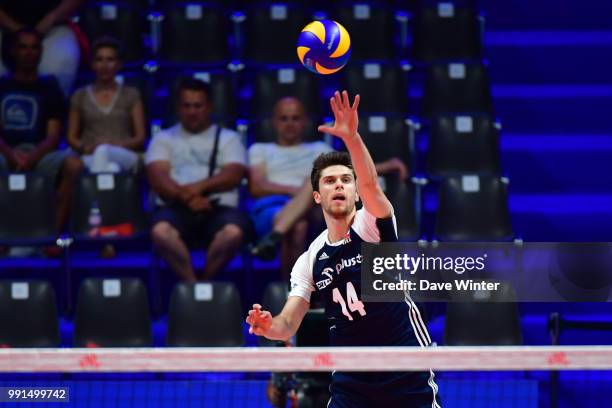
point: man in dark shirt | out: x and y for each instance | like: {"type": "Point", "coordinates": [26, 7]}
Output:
{"type": "Point", "coordinates": [32, 109]}
{"type": "Point", "coordinates": [49, 18]}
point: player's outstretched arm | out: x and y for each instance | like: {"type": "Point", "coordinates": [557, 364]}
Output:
{"type": "Point", "coordinates": [345, 127]}
{"type": "Point", "coordinates": [280, 327]}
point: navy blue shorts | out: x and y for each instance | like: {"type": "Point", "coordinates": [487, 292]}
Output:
{"type": "Point", "coordinates": [201, 227]}
{"type": "Point", "coordinates": [388, 390]}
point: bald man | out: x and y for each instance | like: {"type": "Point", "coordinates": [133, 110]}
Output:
{"type": "Point", "coordinates": [278, 172]}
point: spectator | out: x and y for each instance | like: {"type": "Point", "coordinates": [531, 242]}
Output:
{"type": "Point", "coordinates": [48, 17]}
{"type": "Point", "coordinates": [281, 218]}
{"type": "Point", "coordinates": [106, 122]}
{"type": "Point", "coordinates": [32, 111]}
{"type": "Point", "coordinates": [277, 173]}
{"type": "Point", "coordinates": [195, 167]}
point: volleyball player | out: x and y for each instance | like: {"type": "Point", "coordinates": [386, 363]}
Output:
{"type": "Point", "coordinates": [331, 266]}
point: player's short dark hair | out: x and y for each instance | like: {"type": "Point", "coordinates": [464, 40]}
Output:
{"type": "Point", "coordinates": [107, 42]}
{"type": "Point", "coordinates": [194, 84]}
{"type": "Point", "coordinates": [326, 160]}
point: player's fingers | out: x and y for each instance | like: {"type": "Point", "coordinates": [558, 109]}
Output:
{"type": "Point", "coordinates": [338, 99]}
{"type": "Point", "coordinates": [331, 131]}
{"type": "Point", "coordinates": [324, 129]}
{"type": "Point", "coordinates": [334, 105]}
{"type": "Point", "coordinates": [266, 315]}
{"type": "Point", "coordinates": [256, 306]}
{"type": "Point", "coordinates": [356, 102]}
{"type": "Point", "coordinates": [345, 100]}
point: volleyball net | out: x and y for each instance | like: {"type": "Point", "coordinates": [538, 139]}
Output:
{"type": "Point", "coordinates": [513, 376]}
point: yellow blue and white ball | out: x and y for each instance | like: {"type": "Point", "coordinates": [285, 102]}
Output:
{"type": "Point", "coordinates": [324, 46]}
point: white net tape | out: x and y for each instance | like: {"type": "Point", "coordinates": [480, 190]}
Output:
{"type": "Point", "coordinates": [306, 359]}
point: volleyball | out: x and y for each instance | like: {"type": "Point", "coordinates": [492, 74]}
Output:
{"type": "Point", "coordinates": [324, 47]}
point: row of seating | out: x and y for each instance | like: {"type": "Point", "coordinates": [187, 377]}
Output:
{"type": "Point", "coordinates": [433, 30]}
{"type": "Point", "coordinates": [248, 97]}
{"type": "Point", "coordinates": [27, 211]}
{"type": "Point", "coordinates": [470, 208]}
{"type": "Point", "coordinates": [115, 313]}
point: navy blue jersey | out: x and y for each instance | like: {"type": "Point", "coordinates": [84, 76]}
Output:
{"type": "Point", "coordinates": [334, 271]}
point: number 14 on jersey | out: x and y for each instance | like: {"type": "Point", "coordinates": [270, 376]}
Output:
{"type": "Point", "coordinates": [354, 304]}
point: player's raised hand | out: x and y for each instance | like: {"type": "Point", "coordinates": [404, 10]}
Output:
{"type": "Point", "coordinates": [345, 116]}
{"type": "Point", "coordinates": [259, 320]}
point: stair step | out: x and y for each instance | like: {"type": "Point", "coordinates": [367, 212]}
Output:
{"type": "Point", "coordinates": [567, 109]}
{"type": "Point", "coordinates": [547, 15]}
{"type": "Point", "coordinates": [511, 61]}
{"type": "Point", "coordinates": [557, 163]}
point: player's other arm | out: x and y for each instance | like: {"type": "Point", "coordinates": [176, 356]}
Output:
{"type": "Point", "coordinates": [280, 327]}
{"type": "Point", "coordinates": [345, 127]}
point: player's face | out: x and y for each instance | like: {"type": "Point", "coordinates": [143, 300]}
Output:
{"type": "Point", "coordinates": [27, 51]}
{"type": "Point", "coordinates": [194, 110]}
{"type": "Point", "coordinates": [106, 63]}
{"type": "Point", "coordinates": [289, 121]}
{"type": "Point", "coordinates": [337, 191]}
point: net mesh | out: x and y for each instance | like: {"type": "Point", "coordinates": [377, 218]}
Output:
{"type": "Point", "coordinates": [572, 383]}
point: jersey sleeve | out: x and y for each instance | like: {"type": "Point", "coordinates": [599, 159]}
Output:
{"type": "Point", "coordinates": [372, 229]}
{"type": "Point", "coordinates": [302, 284]}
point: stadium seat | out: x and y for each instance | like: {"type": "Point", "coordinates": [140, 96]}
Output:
{"type": "Point", "coordinates": [272, 84]}
{"type": "Point", "coordinates": [112, 313]}
{"type": "Point", "coordinates": [492, 321]}
{"type": "Point", "coordinates": [389, 137]}
{"type": "Point", "coordinates": [473, 208]}
{"type": "Point", "coordinates": [403, 196]}
{"type": "Point", "coordinates": [463, 144]}
{"type": "Point", "coordinates": [27, 213]}
{"type": "Point", "coordinates": [205, 315]}
{"type": "Point", "coordinates": [359, 18]}
{"type": "Point", "coordinates": [119, 199]}
{"type": "Point", "coordinates": [382, 86]}
{"type": "Point", "coordinates": [223, 94]}
{"type": "Point", "coordinates": [386, 136]}
{"type": "Point", "coordinates": [313, 332]}
{"type": "Point", "coordinates": [445, 31]}
{"type": "Point", "coordinates": [270, 31]}
{"type": "Point", "coordinates": [194, 33]}
{"type": "Point", "coordinates": [273, 300]}
{"type": "Point", "coordinates": [456, 87]}
{"type": "Point", "coordinates": [275, 296]}
{"type": "Point", "coordinates": [28, 314]}
{"type": "Point", "coordinates": [122, 20]}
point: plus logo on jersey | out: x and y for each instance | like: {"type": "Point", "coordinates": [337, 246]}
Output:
{"type": "Point", "coordinates": [328, 272]}
{"type": "Point", "coordinates": [347, 263]}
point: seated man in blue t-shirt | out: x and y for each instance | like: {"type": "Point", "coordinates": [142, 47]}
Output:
{"type": "Point", "coordinates": [32, 109]}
